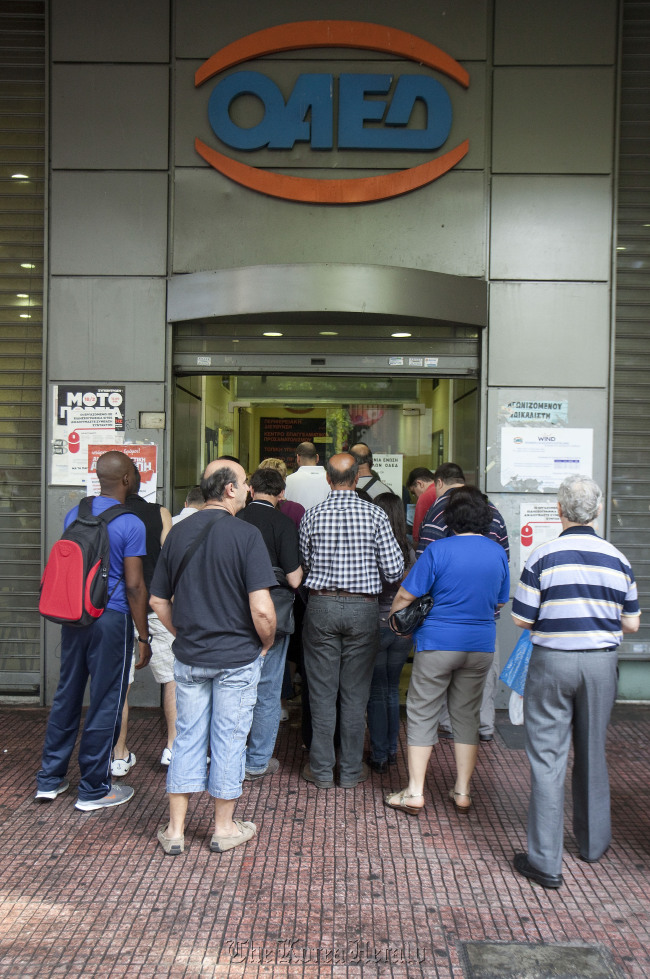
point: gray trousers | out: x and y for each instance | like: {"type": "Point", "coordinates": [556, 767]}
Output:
{"type": "Point", "coordinates": [568, 695]}
{"type": "Point", "coordinates": [487, 714]}
{"type": "Point", "coordinates": [340, 643]}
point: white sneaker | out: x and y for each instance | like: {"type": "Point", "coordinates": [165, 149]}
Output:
{"type": "Point", "coordinates": [122, 766]}
{"type": "Point", "coordinates": [46, 794]}
{"type": "Point", "coordinates": [284, 714]}
{"type": "Point", "coordinates": [166, 757]}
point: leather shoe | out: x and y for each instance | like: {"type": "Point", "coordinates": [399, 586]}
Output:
{"type": "Point", "coordinates": [485, 738]}
{"type": "Point", "coordinates": [444, 735]}
{"type": "Point", "coordinates": [526, 869]}
{"type": "Point", "coordinates": [351, 783]}
{"type": "Point", "coordinates": [378, 766]}
{"type": "Point", "coordinates": [320, 783]}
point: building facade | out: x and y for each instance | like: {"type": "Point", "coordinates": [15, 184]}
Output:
{"type": "Point", "coordinates": [400, 224]}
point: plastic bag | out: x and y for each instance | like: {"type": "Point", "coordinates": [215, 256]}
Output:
{"type": "Point", "coordinates": [516, 708]}
{"type": "Point", "coordinates": [514, 672]}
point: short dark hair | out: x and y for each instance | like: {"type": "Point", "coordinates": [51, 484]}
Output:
{"type": "Point", "coordinates": [307, 450]}
{"type": "Point", "coordinates": [194, 496]}
{"type": "Point", "coordinates": [214, 486]}
{"type": "Point", "coordinates": [449, 472]}
{"type": "Point", "coordinates": [268, 481]}
{"type": "Point", "coordinates": [362, 458]}
{"type": "Point", "coordinates": [138, 479]}
{"type": "Point", "coordinates": [468, 511]}
{"type": "Point", "coordinates": [421, 472]}
{"type": "Point", "coordinates": [342, 477]}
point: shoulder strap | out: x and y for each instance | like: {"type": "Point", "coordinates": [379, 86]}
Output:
{"type": "Point", "coordinates": [373, 480]}
{"type": "Point", "coordinates": [85, 510]}
{"type": "Point", "coordinates": [193, 547]}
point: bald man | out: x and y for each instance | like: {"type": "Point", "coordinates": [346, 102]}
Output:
{"type": "Point", "coordinates": [101, 651]}
{"type": "Point", "coordinates": [346, 547]}
{"type": "Point", "coordinates": [218, 572]}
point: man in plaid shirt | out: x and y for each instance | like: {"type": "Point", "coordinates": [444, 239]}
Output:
{"type": "Point", "coordinates": [347, 548]}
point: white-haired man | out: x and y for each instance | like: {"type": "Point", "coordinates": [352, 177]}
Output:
{"type": "Point", "coordinates": [578, 596]}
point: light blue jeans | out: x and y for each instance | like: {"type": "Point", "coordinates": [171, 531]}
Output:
{"type": "Point", "coordinates": [266, 715]}
{"type": "Point", "coordinates": [214, 709]}
{"type": "Point", "coordinates": [383, 703]}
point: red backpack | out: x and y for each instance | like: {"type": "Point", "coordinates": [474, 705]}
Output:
{"type": "Point", "coordinates": [74, 586]}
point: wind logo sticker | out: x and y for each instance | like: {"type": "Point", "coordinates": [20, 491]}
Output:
{"type": "Point", "coordinates": [329, 116]}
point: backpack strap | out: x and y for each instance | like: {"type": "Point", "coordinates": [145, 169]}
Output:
{"type": "Point", "coordinates": [193, 547]}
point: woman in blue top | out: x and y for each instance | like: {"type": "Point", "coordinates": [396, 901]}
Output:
{"type": "Point", "coordinates": [467, 576]}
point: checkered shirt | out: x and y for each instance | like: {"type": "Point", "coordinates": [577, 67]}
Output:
{"type": "Point", "coordinates": [347, 543]}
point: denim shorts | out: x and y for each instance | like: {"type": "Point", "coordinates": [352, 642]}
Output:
{"type": "Point", "coordinates": [214, 710]}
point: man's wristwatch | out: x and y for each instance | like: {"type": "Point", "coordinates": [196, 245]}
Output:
{"type": "Point", "coordinates": [146, 641]}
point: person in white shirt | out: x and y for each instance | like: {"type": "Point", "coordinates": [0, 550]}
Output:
{"type": "Point", "coordinates": [194, 501]}
{"type": "Point", "coordinates": [308, 485]}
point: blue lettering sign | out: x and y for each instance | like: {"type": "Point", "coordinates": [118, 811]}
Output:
{"type": "Point", "coordinates": [308, 115]}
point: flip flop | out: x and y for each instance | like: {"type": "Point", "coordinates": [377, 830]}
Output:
{"type": "Point", "coordinates": [401, 804]}
{"type": "Point", "coordinates": [453, 795]}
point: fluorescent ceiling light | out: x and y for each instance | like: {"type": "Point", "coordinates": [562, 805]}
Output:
{"type": "Point", "coordinates": [401, 334]}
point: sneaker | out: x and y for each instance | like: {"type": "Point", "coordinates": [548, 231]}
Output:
{"type": "Point", "coordinates": [47, 794]}
{"type": "Point", "coordinates": [118, 795]}
{"type": "Point", "coordinates": [166, 757]}
{"type": "Point", "coordinates": [284, 714]}
{"type": "Point", "coordinates": [122, 766]}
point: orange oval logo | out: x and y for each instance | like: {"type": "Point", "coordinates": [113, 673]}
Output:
{"type": "Point", "coordinates": [335, 34]}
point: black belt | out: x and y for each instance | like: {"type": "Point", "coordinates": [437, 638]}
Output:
{"type": "Point", "coordinates": [341, 592]}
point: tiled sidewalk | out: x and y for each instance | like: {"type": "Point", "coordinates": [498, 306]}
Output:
{"type": "Point", "coordinates": [334, 884]}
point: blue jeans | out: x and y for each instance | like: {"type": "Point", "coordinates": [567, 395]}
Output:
{"type": "Point", "coordinates": [214, 708]}
{"type": "Point", "coordinates": [383, 703]}
{"type": "Point", "coordinates": [340, 642]}
{"type": "Point", "coordinates": [103, 652]}
{"type": "Point", "coordinates": [266, 715]}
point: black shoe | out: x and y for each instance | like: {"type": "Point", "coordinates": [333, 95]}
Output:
{"type": "Point", "coordinates": [378, 766]}
{"type": "Point", "coordinates": [351, 783]}
{"type": "Point", "coordinates": [320, 783]}
{"type": "Point", "coordinates": [523, 867]}
{"type": "Point", "coordinates": [486, 737]}
{"type": "Point", "coordinates": [444, 735]}
{"type": "Point", "coordinates": [392, 759]}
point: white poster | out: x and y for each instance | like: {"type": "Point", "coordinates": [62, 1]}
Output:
{"type": "Point", "coordinates": [389, 468]}
{"type": "Point", "coordinates": [539, 523]}
{"type": "Point", "coordinates": [540, 458]}
{"type": "Point", "coordinates": [83, 415]}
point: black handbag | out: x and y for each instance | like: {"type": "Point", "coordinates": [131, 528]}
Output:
{"type": "Point", "coordinates": [283, 600]}
{"type": "Point", "coordinates": [406, 620]}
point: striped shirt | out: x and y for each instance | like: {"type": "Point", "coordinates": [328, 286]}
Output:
{"type": "Point", "coordinates": [574, 590]}
{"type": "Point", "coordinates": [348, 543]}
{"type": "Point", "coordinates": [434, 526]}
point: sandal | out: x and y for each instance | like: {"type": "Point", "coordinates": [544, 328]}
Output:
{"type": "Point", "coordinates": [453, 795]}
{"type": "Point", "coordinates": [401, 804]}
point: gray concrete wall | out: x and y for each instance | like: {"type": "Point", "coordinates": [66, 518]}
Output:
{"type": "Point", "coordinates": [529, 208]}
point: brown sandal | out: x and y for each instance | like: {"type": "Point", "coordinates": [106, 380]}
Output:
{"type": "Point", "coordinates": [401, 804]}
{"type": "Point", "coordinates": [453, 795]}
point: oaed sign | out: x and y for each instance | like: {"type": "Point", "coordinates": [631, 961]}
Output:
{"type": "Point", "coordinates": [351, 111]}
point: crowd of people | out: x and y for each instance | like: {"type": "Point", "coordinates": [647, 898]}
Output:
{"type": "Point", "coordinates": [311, 566]}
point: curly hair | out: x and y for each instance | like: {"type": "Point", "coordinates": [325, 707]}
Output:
{"type": "Point", "coordinates": [468, 511]}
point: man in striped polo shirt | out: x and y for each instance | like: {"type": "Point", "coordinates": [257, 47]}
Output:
{"type": "Point", "coordinates": [578, 596]}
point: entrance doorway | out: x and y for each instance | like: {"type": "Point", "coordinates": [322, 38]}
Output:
{"type": "Point", "coordinates": [408, 420]}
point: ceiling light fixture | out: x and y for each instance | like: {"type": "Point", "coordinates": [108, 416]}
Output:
{"type": "Point", "coordinates": [19, 176]}
{"type": "Point", "coordinates": [399, 335]}
{"type": "Point", "coordinates": [22, 295]}
{"type": "Point", "coordinates": [25, 316]}
{"type": "Point", "coordinates": [328, 333]}
{"type": "Point", "coordinates": [271, 333]}
{"type": "Point", "coordinates": [27, 265]}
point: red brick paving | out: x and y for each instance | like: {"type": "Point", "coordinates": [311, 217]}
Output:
{"type": "Point", "coordinates": [334, 884]}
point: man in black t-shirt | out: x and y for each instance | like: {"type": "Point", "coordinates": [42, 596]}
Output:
{"type": "Point", "coordinates": [281, 539]}
{"type": "Point", "coordinates": [218, 572]}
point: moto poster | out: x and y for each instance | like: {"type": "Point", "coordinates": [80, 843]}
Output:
{"type": "Point", "coordinates": [83, 414]}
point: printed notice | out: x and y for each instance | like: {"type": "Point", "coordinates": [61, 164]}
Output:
{"type": "Point", "coordinates": [538, 459]}
{"type": "Point", "coordinates": [539, 523]}
{"type": "Point", "coordinates": [535, 412]}
{"type": "Point", "coordinates": [83, 414]}
{"type": "Point", "coordinates": [389, 468]}
{"type": "Point", "coordinates": [145, 458]}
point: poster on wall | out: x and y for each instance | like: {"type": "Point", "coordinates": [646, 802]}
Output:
{"type": "Point", "coordinates": [145, 457]}
{"type": "Point", "coordinates": [279, 438]}
{"type": "Point", "coordinates": [389, 468]}
{"type": "Point", "coordinates": [538, 459]}
{"type": "Point", "coordinates": [539, 523]}
{"type": "Point", "coordinates": [83, 414]}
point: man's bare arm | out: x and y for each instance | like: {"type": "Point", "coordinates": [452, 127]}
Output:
{"type": "Point", "coordinates": [295, 577]}
{"type": "Point", "coordinates": [520, 623]}
{"type": "Point", "coordinates": [136, 594]}
{"type": "Point", "coordinates": [163, 609]}
{"type": "Point", "coordinates": [630, 623]}
{"type": "Point", "coordinates": [166, 518]}
{"type": "Point", "coordinates": [263, 615]}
